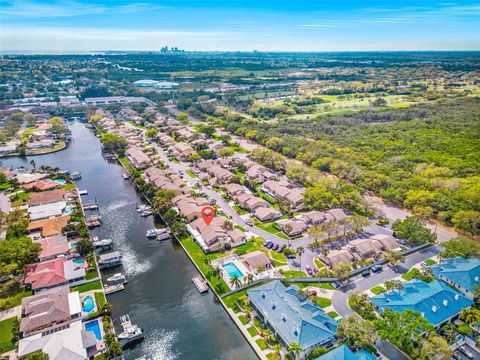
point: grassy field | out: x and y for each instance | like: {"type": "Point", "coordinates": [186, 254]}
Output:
{"type": "Point", "coordinates": [6, 343]}
{"type": "Point", "coordinates": [270, 227]}
{"type": "Point", "coordinates": [191, 173]}
{"type": "Point", "coordinates": [95, 285]}
{"type": "Point", "coordinates": [100, 299]}
{"type": "Point", "coordinates": [321, 301]}
{"type": "Point", "coordinates": [430, 262]}
{"type": "Point", "coordinates": [294, 274]}
{"type": "Point", "coordinates": [377, 290]}
{"type": "Point", "coordinates": [252, 331]}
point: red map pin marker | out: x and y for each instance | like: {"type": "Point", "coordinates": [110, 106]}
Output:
{"type": "Point", "coordinates": [208, 213]}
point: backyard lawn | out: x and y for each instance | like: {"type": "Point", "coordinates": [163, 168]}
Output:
{"type": "Point", "coordinates": [294, 274]}
{"type": "Point", "coordinates": [6, 343]}
{"type": "Point", "coordinates": [95, 285]}
{"type": "Point", "coordinates": [270, 227]}
{"type": "Point", "coordinates": [100, 299]}
{"type": "Point", "coordinates": [430, 262]}
{"type": "Point", "coordinates": [252, 331]}
{"type": "Point", "coordinates": [333, 314]}
{"type": "Point", "coordinates": [279, 259]}
{"type": "Point", "coordinates": [321, 301]}
{"type": "Point", "coordinates": [261, 344]}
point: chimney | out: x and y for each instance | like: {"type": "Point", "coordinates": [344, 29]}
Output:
{"type": "Point", "coordinates": [434, 308]}
{"type": "Point", "coordinates": [445, 302]}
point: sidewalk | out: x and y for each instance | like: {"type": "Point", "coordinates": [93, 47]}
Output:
{"type": "Point", "coordinates": [15, 311]}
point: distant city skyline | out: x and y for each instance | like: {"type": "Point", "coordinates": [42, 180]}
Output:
{"type": "Point", "coordinates": [268, 25]}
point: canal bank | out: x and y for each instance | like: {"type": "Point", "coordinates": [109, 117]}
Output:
{"type": "Point", "coordinates": [179, 323]}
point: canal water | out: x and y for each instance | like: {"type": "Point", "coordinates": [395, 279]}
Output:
{"type": "Point", "coordinates": [179, 322]}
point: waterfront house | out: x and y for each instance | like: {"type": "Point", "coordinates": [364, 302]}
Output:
{"type": "Point", "coordinates": [41, 185]}
{"type": "Point", "coordinates": [53, 246]}
{"type": "Point", "coordinates": [292, 318]}
{"type": "Point", "coordinates": [52, 273]}
{"type": "Point", "coordinates": [72, 343]}
{"type": "Point", "coordinates": [266, 214]}
{"type": "Point", "coordinates": [26, 178]}
{"type": "Point", "coordinates": [215, 236]}
{"type": "Point", "coordinates": [343, 352]}
{"type": "Point", "coordinates": [137, 157]}
{"type": "Point", "coordinates": [462, 273]}
{"type": "Point", "coordinates": [109, 260]}
{"type": "Point", "coordinates": [48, 227]}
{"type": "Point", "coordinates": [189, 207]}
{"type": "Point", "coordinates": [46, 211]}
{"type": "Point", "coordinates": [436, 301]}
{"type": "Point", "coordinates": [49, 310]}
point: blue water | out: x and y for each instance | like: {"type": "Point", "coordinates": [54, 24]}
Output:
{"type": "Point", "coordinates": [79, 261]}
{"type": "Point", "coordinates": [94, 327]}
{"type": "Point", "coordinates": [60, 181]}
{"type": "Point", "coordinates": [69, 210]}
{"type": "Point", "coordinates": [73, 245]}
{"type": "Point", "coordinates": [232, 270]}
{"type": "Point", "coordinates": [88, 304]}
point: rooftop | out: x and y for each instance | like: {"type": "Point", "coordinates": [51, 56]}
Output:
{"type": "Point", "coordinates": [464, 272]}
{"type": "Point", "coordinates": [344, 353]}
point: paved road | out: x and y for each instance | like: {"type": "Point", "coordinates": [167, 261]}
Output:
{"type": "Point", "coordinates": [340, 297]}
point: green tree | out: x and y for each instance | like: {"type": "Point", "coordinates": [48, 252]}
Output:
{"type": "Point", "coordinates": [226, 152]}
{"type": "Point", "coordinates": [341, 270]}
{"type": "Point", "coordinates": [37, 355]}
{"type": "Point", "coordinates": [394, 257]}
{"type": "Point", "coordinates": [163, 200]}
{"type": "Point", "coordinates": [113, 142]}
{"type": "Point", "coordinates": [183, 118]}
{"type": "Point", "coordinates": [357, 332]}
{"type": "Point", "coordinates": [470, 316]}
{"type": "Point", "coordinates": [413, 230]}
{"type": "Point", "coordinates": [235, 281]}
{"type": "Point", "coordinates": [461, 246]}
{"type": "Point", "coordinates": [449, 332]}
{"type": "Point", "coordinates": [85, 246]}
{"type": "Point", "coordinates": [433, 347]}
{"type": "Point", "coordinates": [151, 133]}
{"type": "Point", "coordinates": [467, 221]}
{"type": "Point", "coordinates": [404, 329]}
{"type": "Point", "coordinates": [16, 253]}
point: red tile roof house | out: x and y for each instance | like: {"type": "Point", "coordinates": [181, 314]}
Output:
{"type": "Point", "coordinates": [54, 246]}
{"type": "Point", "coordinates": [49, 310]}
{"type": "Point", "coordinates": [46, 197]}
{"type": "Point", "coordinates": [52, 273]}
{"type": "Point", "coordinates": [137, 157]}
{"type": "Point", "coordinates": [41, 185]}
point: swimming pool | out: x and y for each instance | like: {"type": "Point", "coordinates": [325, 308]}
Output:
{"type": "Point", "coordinates": [94, 326]}
{"type": "Point", "coordinates": [60, 181]}
{"type": "Point", "coordinates": [232, 270]}
{"type": "Point", "coordinates": [79, 261]}
{"type": "Point", "coordinates": [73, 245]}
{"type": "Point", "coordinates": [69, 210]}
{"type": "Point", "coordinates": [88, 304]}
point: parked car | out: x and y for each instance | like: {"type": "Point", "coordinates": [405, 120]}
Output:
{"type": "Point", "coordinates": [366, 273]}
{"type": "Point", "coordinates": [281, 248]}
{"type": "Point", "coordinates": [466, 351]}
{"type": "Point", "coordinates": [309, 270]}
{"type": "Point", "coordinates": [313, 293]}
{"type": "Point", "coordinates": [249, 222]}
{"type": "Point", "coordinates": [267, 242]}
{"type": "Point", "coordinates": [337, 284]}
{"type": "Point", "coordinates": [275, 247]}
{"type": "Point", "coordinates": [401, 241]}
{"type": "Point", "coordinates": [377, 268]}
{"type": "Point", "coordinates": [295, 264]}
{"type": "Point", "coordinates": [270, 245]}
{"type": "Point", "coordinates": [424, 265]}
{"type": "Point", "coordinates": [290, 256]}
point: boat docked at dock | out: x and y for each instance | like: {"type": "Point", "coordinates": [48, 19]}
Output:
{"type": "Point", "coordinates": [146, 213]}
{"type": "Point", "coordinates": [131, 333]}
{"type": "Point", "coordinates": [103, 244]}
{"type": "Point", "coordinates": [142, 208]}
{"type": "Point", "coordinates": [125, 176]}
{"type": "Point", "coordinates": [109, 260]}
{"type": "Point", "coordinates": [93, 221]}
{"type": "Point", "coordinates": [152, 233]}
{"type": "Point", "coordinates": [76, 175]}
{"type": "Point", "coordinates": [117, 278]}
{"type": "Point", "coordinates": [82, 192]}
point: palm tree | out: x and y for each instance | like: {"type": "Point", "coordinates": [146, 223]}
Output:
{"type": "Point", "coordinates": [32, 162]}
{"type": "Point", "coordinates": [325, 251]}
{"type": "Point", "coordinates": [295, 348]}
{"type": "Point", "coordinates": [470, 316]}
{"type": "Point", "coordinates": [235, 281]}
{"type": "Point", "coordinates": [394, 257]}
{"type": "Point", "coordinates": [249, 279]}
{"type": "Point", "coordinates": [278, 351]}
{"type": "Point", "coordinates": [389, 285]}
{"type": "Point", "coordinates": [207, 261]}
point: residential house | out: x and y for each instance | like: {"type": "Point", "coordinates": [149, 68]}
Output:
{"type": "Point", "coordinates": [41, 185]}
{"type": "Point", "coordinates": [49, 227]}
{"type": "Point", "coordinates": [258, 173]}
{"type": "Point", "coordinates": [256, 260]}
{"type": "Point", "coordinates": [52, 273]}
{"type": "Point", "coordinates": [137, 157]}
{"type": "Point", "coordinates": [436, 301]}
{"type": "Point", "coordinates": [292, 317]}
{"type": "Point", "coordinates": [462, 273]}
{"type": "Point", "coordinates": [49, 310]}
{"type": "Point", "coordinates": [266, 213]}
{"type": "Point", "coordinates": [364, 248]}
{"type": "Point", "coordinates": [233, 189]}
{"type": "Point", "coordinates": [387, 242]}
{"type": "Point", "coordinates": [250, 202]}
{"type": "Point", "coordinates": [189, 207]}
{"type": "Point", "coordinates": [46, 211]}
{"type": "Point", "coordinates": [292, 227]}
{"type": "Point", "coordinates": [336, 256]}
{"type": "Point", "coordinates": [283, 190]}
{"type": "Point", "coordinates": [182, 151]}
{"type": "Point", "coordinates": [343, 352]}
{"type": "Point", "coordinates": [72, 343]}
{"type": "Point", "coordinates": [53, 246]}
{"type": "Point", "coordinates": [222, 175]}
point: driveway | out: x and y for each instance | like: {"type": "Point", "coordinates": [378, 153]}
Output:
{"type": "Point", "coordinates": [358, 283]}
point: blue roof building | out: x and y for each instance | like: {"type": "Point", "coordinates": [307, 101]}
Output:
{"type": "Point", "coordinates": [464, 274]}
{"type": "Point", "coordinates": [292, 318]}
{"type": "Point", "coordinates": [344, 353]}
{"type": "Point", "coordinates": [436, 301]}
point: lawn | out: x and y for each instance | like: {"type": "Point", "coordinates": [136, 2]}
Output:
{"type": "Point", "coordinates": [252, 331]}
{"type": "Point", "coordinates": [19, 198]}
{"type": "Point", "coordinates": [239, 210]}
{"type": "Point", "coordinates": [231, 300]}
{"type": "Point", "coordinates": [320, 285]}
{"type": "Point", "coordinates": [243, 319]}
{"type": "Point", "coordinates": [430, 262]}
{"type": "Point", "coordinates": [333, 314]}
{"type": "Point", "coordinates": [69, 186]}
{"type": "Point", "coordinates": [321, 301]}
{"type": "Point", "coordinates": [318, 263]}
{"type": "Point", "coordinates": [238, 227]}
{"type": "Point", "coordinates": [100, 299]}
{"type": "Point", "coordinates": [294, 274]}
{"type": "Point", "coordinates": [91, 274]}
{"type": "Point", "coordinates": [270, 227]}
{"type": "Point", "coordinates": [199, 257]}
{"type": "Point", "coordinates": [95, 285]}
{"type": "Point", "coordinates": [377, 289]}
{"type": "Point", "coordinates": [249, 246]}
{"type": "Point", "coordinates": [278, 258]}
{"type": "Point", "coordinates": [191, 173]}
{"type": "Point", "coordinates": [6, 327]}
{"type": "Point", "coordinates": [261, 344]}
{"type": "Point", "coordinates": [409, 275]}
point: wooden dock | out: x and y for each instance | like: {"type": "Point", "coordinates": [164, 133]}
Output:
{"type": "Point", "coordinates": [200, 283]}
{"type": "Point", "coordinates": [110, 289]}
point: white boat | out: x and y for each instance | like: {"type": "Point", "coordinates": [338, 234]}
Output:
{"type": "Point", "coordinates": [142, 208]}
{"type": "Point", "coordinates": [102, 243]}
{"type": "Point", "coordinates": [164, 236]}
{"type": "Point", "coordinates": [125, 176]}
{"type": "Point", "coordinates": [117, 278]}
{"type": "Point", "coordinates": [131, 333]}
{"type": "Point", "coordinates": [146, 213]}
{"type": "Point", "coordinates": [83, 192]}
{"type": "Point", "coordinates": [76, 175]}
{"type": "Point", "coordinates": [156, 232]}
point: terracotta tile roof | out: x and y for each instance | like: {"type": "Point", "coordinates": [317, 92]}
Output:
{"type": "Point", "coordinates": [49, 227]}
{"type": "Point", "coordinates": [46, 197]}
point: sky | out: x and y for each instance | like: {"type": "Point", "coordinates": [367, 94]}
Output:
{"type": "Point", "coordinates": [217, 25]}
